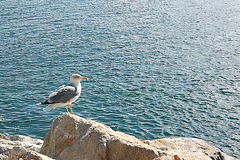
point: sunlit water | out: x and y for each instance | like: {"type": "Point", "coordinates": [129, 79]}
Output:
{"type": "Point", "coordinates": [156, 68]}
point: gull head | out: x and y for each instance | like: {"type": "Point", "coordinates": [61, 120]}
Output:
{"type": "Point", "coordinates": [75, 78]}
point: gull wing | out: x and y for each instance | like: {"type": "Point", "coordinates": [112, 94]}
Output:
{"type": "Point", "coordinates": [63, 94]}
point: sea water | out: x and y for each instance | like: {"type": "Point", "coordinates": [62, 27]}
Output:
{"type": "Point", "coordinates": [156, 68]}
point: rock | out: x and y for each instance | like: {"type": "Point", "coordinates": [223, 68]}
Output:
{"type": "Point", "coordinates": [1, 135]}
{"type": "Point", "coordinates": [3, 157]}
{"type": "Point", "coordinates": [23, 153]}
{"type": "Point", "coordinates": [72, 137]}
{"type": "Point", "coordinates": [190, 149]}
{"type": "Point", "coordinates": [75, 138]}
{"type": "Point", "coordinates": [8, 142]}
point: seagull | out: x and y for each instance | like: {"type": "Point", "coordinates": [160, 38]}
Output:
{"type": "Point", "coordinates": [65, 94]}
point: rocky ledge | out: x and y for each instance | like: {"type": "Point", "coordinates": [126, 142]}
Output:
{"type": "Point", "coordinates": [75, 138]}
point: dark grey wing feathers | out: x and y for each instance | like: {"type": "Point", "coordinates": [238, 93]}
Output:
{"type": "Point", "coordinates": [63, 94]}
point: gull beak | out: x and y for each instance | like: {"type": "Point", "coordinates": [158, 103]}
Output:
{"type": "Point", "coordinates": [84, 78]}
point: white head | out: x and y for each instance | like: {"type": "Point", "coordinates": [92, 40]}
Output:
{"type": "Point", "coordinates": [76, 78]}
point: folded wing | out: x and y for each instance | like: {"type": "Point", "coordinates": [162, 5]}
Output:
{"type": "Point", "coordinates": [63, 94]}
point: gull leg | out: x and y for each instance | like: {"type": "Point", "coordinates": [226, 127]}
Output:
{"type": "Point", "coordinates": [67, 108]}
{"type": "Point", "coordinates": [71, 108]}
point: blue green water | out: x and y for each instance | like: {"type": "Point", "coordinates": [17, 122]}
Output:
{"type": "Point", "coordinates": [156, 68]}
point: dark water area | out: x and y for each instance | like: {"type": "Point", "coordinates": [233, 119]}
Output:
{"type": "Point", "coordinates": [156, 69]}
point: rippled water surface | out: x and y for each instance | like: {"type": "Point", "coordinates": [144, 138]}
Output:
{"type": "Point", "coordinates": [156, 68]}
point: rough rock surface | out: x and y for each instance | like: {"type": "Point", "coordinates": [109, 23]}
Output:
{"type": "Point", "coordinates": [75, 138]}
{"type": "Point", "coordinates": [25, 154]}
{"type": "Point", "coordinates": [7, 143]}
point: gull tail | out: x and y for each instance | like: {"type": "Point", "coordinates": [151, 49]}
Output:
{"type": "Point", "coordinates": [48, 108]}
{"type": "Point", "coordinates": [45, 102]}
